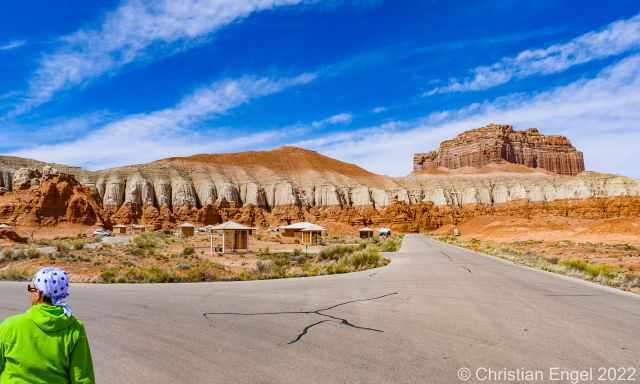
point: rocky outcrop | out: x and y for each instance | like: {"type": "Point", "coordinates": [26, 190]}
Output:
{"type": "Point", "coordinates": [289, 184]}
{"type": "Point", "coordinates": [496, 143]}
{"type": "Point", "coordinates": [52, 199]}
{"type": "Point", "coordinates": [13, 236]}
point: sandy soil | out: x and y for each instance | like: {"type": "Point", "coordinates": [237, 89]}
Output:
{"type": "Point", "coordinates": [550, 228]}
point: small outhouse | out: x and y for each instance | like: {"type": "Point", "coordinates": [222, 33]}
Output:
{"type": "Point", "coordinates": [366, 233]}
{"type": "Point", "coordinates": [235, 236]}
{"type": "Point", "coordinates": [138, 229]}
{"type": "Point", "coordinates": [312, 234]}
{"type": "Point", "coordinates": [119, 229]}
{"type": "Point", "coordinates": [186, 230]}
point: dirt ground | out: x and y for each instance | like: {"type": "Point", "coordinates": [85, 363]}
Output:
{"type": "Point", "coordinates": [550, 228]}
{"type": "Point", "coordinates": [160, 257]}
{"type": "Point", "coordinates": [606, 250]}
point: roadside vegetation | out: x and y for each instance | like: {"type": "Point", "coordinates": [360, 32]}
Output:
{"type": "Point", "coordinates": [614, 265]}
{"type": "Point", "coordinates": [162, 258]}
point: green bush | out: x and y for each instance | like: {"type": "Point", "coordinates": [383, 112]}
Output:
{"type": "Point", "coordinates": [109, 275]}
{"type": "Point", "coordinates": [188, 251]}
{"type": "Point", "coordinates": [593, 270]}
{"type": "Point", "coordinates": [61, 246]}
{"type": "Point", "coordinates": [358, 260]}
{"type": "Point", "coordinates": [145, 244]}
{"type": "Point", "coordinates": [335, 252]}
{"type": "Point", "coordinates": [14, 274]}
{"type": "Point", "coordinates": [146, 241]}
{"type": "Point", "coordinates": [389, 244]}
{"type": "Point", "coordinates": [6, 255]}
{"type": "Point", "coordinates": [33, 253]}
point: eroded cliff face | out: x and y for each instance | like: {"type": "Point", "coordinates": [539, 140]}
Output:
{"type": "Point", "coordinates": [50, 199]}
{"type": "Point", "coordinates": [290, 184]}
{"type": "Point", "coordinates": [496, 143]}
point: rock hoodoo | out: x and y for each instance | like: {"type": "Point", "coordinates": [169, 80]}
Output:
{"type": "Point", "coordinates": [499, 143]}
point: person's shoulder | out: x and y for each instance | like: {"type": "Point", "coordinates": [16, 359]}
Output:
{"type": "Point", "coordinates": [12, 322]}
{"type": "Point", "coordinates": [77, 326]}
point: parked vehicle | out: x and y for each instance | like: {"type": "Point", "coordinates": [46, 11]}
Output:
{"type": "Point", "coordinates": [102, 232]}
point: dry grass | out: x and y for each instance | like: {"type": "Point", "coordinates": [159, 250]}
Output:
{"type": "Point", "coordinates": [161, 258]}
{"type": "Point", "coordinates": [615, 265]}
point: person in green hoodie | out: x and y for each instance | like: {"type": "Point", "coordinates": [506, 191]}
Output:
{"type": "Point", "coordinates": [46, 344]}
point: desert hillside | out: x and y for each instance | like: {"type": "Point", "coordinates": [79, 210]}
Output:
{"type": "Point", "coordinates": [533, 176]}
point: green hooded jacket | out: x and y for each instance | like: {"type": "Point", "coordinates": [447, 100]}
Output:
{"type": "Point", "coordinates": [44, 346]}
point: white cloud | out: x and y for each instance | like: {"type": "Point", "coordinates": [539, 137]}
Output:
{"type": "Point", "coordinates": [128, 34]}
{"type": "Point", "coordinates": [168, 132]}
{"type": "Point", "coordinates": [14, 44]}
{"type": "Point", "coordinates": [599, 115]}
{"type": "Point", "coordinates": [618, 37]}
{"type": "Point", "coordinates": [341, 118]}
{"type": "Point", "coordinates": [377, 110]}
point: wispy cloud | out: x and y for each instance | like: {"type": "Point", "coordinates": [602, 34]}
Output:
{"type": "Point", "coordinates": [14, 44]}
{"type": "Point", "coordinates": [377, 110]}
{"type": "Point", "coordinates": [341, 118]}
{"type": "Point", "coordinates": [618, 37]}
{"type": "Point", "coordinates": [130, 33]}
{"type": "Point", "coordinates": [599, 115]}
{"type": "Point", "coordinates": [150, 136]}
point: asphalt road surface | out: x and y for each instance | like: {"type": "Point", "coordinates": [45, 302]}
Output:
{"type": "Point", "coordinates": [432, 311]}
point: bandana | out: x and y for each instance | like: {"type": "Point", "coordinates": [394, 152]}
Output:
{"type": "Point", "coordinates": [54, 284]}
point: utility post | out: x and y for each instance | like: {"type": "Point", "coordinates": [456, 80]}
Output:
{"type": "Point", "coordinates": [210, 230]}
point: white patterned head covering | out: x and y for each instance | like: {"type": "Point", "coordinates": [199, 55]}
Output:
{"type": "Point", "coordinates": [54, 284]}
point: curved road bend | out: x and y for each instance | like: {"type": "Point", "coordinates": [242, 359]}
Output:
{"type": "Point", "coordinates": [435, 309]}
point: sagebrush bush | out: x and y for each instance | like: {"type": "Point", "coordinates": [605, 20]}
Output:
{"type": "Point", "coordinates": [14, 274]}
{"type": "Point", "coordinates": [335, 252]}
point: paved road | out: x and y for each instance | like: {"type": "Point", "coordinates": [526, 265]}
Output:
{"type": "Point", "coordinates": [435, 309]}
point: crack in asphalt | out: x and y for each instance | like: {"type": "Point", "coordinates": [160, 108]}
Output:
{"type": "Point", "coordinates": [319, 312]}
{"type": "Point", "coordinates": [446, 254]}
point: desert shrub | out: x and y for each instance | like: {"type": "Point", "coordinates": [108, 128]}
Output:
{"type": "Point", "coordinates": [6, 255]}
{"type": "Point", "coordinates": [553, 259]}
{"type": "Point", "coordinates": [335, 252]}
{"type": "Point", "coordinates": [188, 251]}
{"type": "Point", "coordinates": [358, 260]}
{"type": "Point", "coordinates": [32, 253]}
{"type": "Point", "coordinates": [264, 266]}
{"type": "Point", "coordinates": [15, 274]}
{"type": "Point", "coordinates": [602, 270]}
{"type": "Point", "coordinates": [61, 246]}
{"type": "Point", "coordinates": [631, 281]}
{"type": "Point", "coordinates": [300, 259]}
{"type": "Point", "coordinates": [109, 275]}
{"type": "Point", "coordinates": [145, 244]}
{"type": "Point", "coordinates": [576, 264]}
{"type": "Point", "coordinates": [203, 271]}
{"type": "Point", "coordinates": [77, 245]}
{"type": "Point", "coordinates": [391, 244]}
{"type": "Point", "coordinates": [146, 241]}
{"type": "Point", "coordinates": [183, 267]}
{"type": "Point", "coordinates": [593, 270]}
{"type": "Point", "coordinates": [19, 254]}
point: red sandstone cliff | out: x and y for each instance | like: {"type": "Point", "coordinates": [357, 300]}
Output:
{"type": "Point", "coordinates": [54, 199]}
{"type": "Point", "coordinates": [496, 143]}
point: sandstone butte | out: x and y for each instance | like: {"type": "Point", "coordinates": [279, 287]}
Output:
{"type": "Point", "coordinates": [501, 143]}
{"type": "Point", "coordinates": [287, 184]}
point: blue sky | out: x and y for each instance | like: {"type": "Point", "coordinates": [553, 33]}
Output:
{"type": "Point", "coordinates": [365, 81]}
